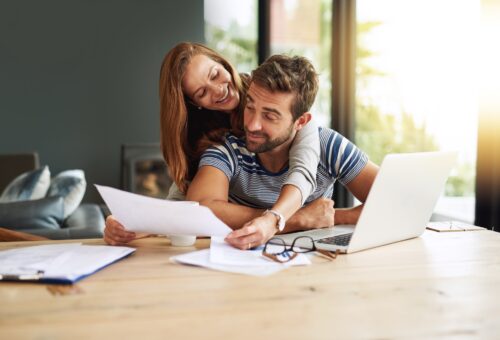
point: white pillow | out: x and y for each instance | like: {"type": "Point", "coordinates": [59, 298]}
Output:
{"type": "Point", "coordinates": [71, 185]}
{"type": "Point", "coordinates": [31, 185]}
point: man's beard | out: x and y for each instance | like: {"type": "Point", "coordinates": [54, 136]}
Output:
{"type": "Point", "coordinates": [269, 144]}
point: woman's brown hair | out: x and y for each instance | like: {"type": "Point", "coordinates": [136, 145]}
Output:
{"type": "Point", "coordinates": [174, 111]}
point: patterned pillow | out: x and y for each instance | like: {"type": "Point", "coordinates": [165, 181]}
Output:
{"type": "Point", "coordinates": [31, 185]}
{"type": "Point", "coordinates": [71, 186]}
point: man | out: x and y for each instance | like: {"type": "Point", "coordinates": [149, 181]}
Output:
{"type": "Point", "coordinates": [242, 178]}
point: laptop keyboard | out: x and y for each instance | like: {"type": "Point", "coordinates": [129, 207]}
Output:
{"type": "Point", "coordinates": [339, 240]}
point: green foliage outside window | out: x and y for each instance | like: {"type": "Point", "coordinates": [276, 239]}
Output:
{"type": "Point", "coordinates": [241, 52]}
{"type": "Point", "coordinates": [378, 133]}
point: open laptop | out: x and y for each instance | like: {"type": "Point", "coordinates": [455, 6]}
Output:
{"type": "Point", "coordinates": [398, 207]}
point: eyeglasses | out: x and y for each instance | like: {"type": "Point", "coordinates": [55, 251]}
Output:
{"type": "Point", "coordinates": [278, 251]}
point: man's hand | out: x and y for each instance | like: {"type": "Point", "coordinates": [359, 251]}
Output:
{"type": "Point", "coordinates": [115, 233]}
{"type": "Point", "coordinates": [254, 233]}
{"type": "Point", "coordinates": [319, 213]}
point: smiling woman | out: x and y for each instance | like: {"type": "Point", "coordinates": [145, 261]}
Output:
{"type": "Point", "coordinates": [210, 85]}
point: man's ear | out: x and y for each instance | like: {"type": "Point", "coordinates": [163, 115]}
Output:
{"type": "Point", "coordinates": [303, 120]}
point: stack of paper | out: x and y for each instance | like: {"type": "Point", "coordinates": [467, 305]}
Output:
{"type": "Point", "coordinates": [222, 256]}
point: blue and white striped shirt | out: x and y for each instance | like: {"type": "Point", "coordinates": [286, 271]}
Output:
{"type": "Point", "coordinates": [250, 184]}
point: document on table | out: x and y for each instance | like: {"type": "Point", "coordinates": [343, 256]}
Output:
{"type": "Point", "coordinates": [58, 263]}
{"type": "Point", "coordinates": [221, 256]}
{"type": "Point", "coordinates": [152, 215]}
{"type": "Point", "coordinates": [223, 253]}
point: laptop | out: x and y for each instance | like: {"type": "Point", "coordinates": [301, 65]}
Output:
{"type": "Point", "coordinates": [398, 206]}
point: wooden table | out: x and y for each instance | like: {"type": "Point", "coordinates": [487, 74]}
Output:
{"type": "Point", "coordinates": [438, 285]}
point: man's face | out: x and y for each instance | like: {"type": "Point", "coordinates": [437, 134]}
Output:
{"type": "Point", "coordinates": [268, 120]}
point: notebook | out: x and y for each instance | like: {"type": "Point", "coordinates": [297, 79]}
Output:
{"type": "Point", "coordinates": [398, 207]}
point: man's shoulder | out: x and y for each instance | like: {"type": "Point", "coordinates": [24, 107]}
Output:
{"type": "Point", "coordinates": [233, 140]}
{"type": "Point", "coordinates": [327, 135]}
{"type": "Point", "coordinates": [232, 145]}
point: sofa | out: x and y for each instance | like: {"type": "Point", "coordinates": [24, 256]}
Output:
{"type": "Point", "coordinates": [47, 214]}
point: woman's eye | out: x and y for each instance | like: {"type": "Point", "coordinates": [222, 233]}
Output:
{"type": "Point", "coordinates": [215, 75]}
{"type": "Point", "coordinates": [202, 94]}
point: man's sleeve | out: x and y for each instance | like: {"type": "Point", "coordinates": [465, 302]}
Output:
{"type": "Point", "coordinates": [220, 157]}
{"type": "Point", "coordinates": [346, 160]}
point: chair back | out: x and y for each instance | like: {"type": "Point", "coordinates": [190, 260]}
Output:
{"type": "Point", "coordinates": [12, 165]}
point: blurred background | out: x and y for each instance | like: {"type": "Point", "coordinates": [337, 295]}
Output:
{"type": "Point", "coordinates": [78, 81]}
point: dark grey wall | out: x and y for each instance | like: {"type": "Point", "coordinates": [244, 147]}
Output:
{"type": "Point", "coordinates": [79, 78]}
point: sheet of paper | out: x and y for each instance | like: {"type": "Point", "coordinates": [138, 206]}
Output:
{"type": "Point", "coordinates": [223, 253]}
{"type": "Point", "coordinates": [151, 215]}
{"type": "Point", "coordinates": [35, 258]}
{"type": "Point", "coordinates": [85, 260]}
{"type": "Point", "coordinates": [201, 258]}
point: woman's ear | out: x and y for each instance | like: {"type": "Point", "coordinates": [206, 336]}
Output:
{"type": "Point", "coordinates": [303, 120]}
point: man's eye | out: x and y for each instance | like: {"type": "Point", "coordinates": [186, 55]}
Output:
{"type": "Point", "coordinates": [270, 116]}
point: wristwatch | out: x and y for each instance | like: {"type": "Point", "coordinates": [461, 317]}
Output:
{"type": "Point", "coordinates": [279, 217]}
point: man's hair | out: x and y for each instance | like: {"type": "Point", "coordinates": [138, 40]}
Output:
{"type": "Point", "coordinates": [282, 73]}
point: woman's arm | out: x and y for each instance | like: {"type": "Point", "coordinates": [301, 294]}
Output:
{"type": "Point", "coordinates": [304, 159]}
{"type": "Point", "coordinates": [301, 181]}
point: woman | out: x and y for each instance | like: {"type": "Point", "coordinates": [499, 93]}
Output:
{"type": "Point", "coordinates": [201, 99]}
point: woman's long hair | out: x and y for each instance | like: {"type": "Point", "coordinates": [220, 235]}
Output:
{"type": "Point", "coordinates": [174, 111]}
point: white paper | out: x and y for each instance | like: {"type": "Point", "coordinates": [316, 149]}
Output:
{"type": "Point", "coordinates": [223, 253]}
{"type": "Point", "coordinates": [202, 258]}
{"type": "Point", "coordinates": [67, 261]}
{"type": "Point", "coordinates": [152, 215]}
{"type": "Point", "coordinates": [29, 260]}
{"type": "Point", "coordinates": [221, 256]}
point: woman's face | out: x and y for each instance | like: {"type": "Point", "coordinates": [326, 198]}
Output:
{"type": "Point", "coordinates": [209, 85]}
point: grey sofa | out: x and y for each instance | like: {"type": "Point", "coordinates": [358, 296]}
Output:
{"type": "Point", "coordinates": [87, 221]}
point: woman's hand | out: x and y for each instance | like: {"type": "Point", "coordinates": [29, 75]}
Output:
{"type": "Point", "coordinates": [115, 233]}
{"type": "Point", "coordinates": [319, 213]}
{"type": "Point", "coordinates": [254, 233]}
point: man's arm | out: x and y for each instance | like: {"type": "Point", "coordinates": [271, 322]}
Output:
{"type": "Point", "coordinates": [210, 187]}
{"type": "Point", "coordinates": [360, 187]}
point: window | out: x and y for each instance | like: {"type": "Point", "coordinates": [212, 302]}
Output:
{"type": "Point", "coordinates": [231, 30]}
{"type": "Point", "coordinates": [303, 27]}
{"type": "Point", "coordinates": [416, 89]}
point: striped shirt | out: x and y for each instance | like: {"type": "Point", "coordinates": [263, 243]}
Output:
{"type": "Point", "coordinates": [250, 184]}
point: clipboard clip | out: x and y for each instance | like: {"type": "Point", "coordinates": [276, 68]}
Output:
{"type": "Point", "coordinates": [22, 277]}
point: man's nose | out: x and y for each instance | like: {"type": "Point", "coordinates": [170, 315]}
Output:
{"type": "Point", "coordinates": [254, 123]}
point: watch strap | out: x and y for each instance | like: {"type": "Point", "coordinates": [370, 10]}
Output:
{"type": "Point", "coordinates": [280, 218]}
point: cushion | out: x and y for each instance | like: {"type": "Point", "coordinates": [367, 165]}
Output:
{"type": "Point", "coordinates": [30, 185]}
{"type": "Point", "coordinates": [34, 214]}
{"type": "Point", "coordinates": [70, 185]}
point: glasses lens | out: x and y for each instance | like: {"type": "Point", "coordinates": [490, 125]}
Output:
{"type": "Point", "coordinates": [275, 246]}
{"type": "Point", "coordinates": [303, 244]}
